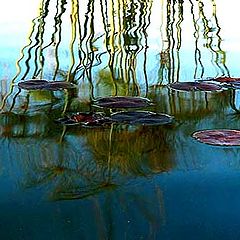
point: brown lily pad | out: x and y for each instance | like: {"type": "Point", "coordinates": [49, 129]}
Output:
{"type": "Point", "coordinates": [218, 137]}
{"type": "Point", "coordinates": [35, 84]}
{"type": "Point", "coordinates": [195, 86]}
{"type": "Point", "coordinates": [122, 102]}
{"type": "Point", "coordinates": [85, 119]}
{"type": "Point", "coordinates": [141, 118]}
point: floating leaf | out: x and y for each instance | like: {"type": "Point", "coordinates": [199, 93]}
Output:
{"type": "Point", "coordinates": [195, 86]}
{"type": "Point", "coordinates": [85, 119]}
{"type": "Point", "coordinates": [59, 85]}
{"type": "Point", "coordinates": [220, 137]}
{"type": "Point", "coordinates": [45, 85]}
{"type": "Point", "coordinates": [229, 82]}
{"type": "Point", "coordinates": [122, 102]}
{"type": "Point", "coordinates": [226, 79]}
{"type": "Point", "coordinates": [33, 84]}
{"type": "Point", "coordinates": [142, 117]}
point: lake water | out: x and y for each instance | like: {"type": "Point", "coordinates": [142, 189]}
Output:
{"type": "Point", "coordinates": [118, 181]}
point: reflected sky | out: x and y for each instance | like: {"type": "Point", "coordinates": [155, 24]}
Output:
{"type": "Point", "coordinates": [156, 37]}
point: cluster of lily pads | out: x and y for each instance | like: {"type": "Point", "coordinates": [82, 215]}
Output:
{"type": "Point", "coordinates": [220, 137]}
{"type": "Point", "coordinates": [120, 117]}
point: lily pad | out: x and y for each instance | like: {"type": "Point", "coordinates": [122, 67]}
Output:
{"type": "Point", "coordinates": [226, 79]}
{"type": "Point", "coordinates": [141, 118]}
{"type": "Point", "coordinates": [218, 137]}
{"type": "Point", "coordinates": [229, 82]}
{"type": "Point", "coordinates": [195, 86]}
{"type": "Point", "coordinates": [35, 84]}
{"type": "Point", "coordinates": [122, 102]}
{"type": "Point", "coordinates": [85, 119]}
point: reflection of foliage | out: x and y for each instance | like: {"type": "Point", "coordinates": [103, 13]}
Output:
{"type": "Point", "coordinates": [139, 152]}
{"type": "Point", "coordinates": [106, 84]}
{"type": "Point", "coordinates": [190, 105]}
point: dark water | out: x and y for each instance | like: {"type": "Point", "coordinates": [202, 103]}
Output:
{"type": "Point", "coordinates": [117, 181]}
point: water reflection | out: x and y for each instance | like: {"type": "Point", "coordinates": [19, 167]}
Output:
{"type": "Point", "coordinates": [115, 48]}
{"type": "Point", "coordinates": [106, 46]}
{"type": "Point", "coordinates": [110, 54]}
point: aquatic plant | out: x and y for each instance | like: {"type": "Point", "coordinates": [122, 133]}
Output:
{"type": "Point", "coordinates": [219, 137]}
{"type": "Point", "coordinates": [195, 86]}
{"type": "Point", "coordinates": [35, 84]}
{"type": "Point", "coordinates": [122, 102]}
{"type": "Point", "coordinates": [141, 118]}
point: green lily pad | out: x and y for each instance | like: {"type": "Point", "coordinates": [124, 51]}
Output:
{"type": "Point", "coordinates": [122, 102]}
{"type": "Point", "coordinates": [195, 86]}
{"type": "Point", "coordinates": [141, 118]}
{"type": "Point", "coordinates": [218, 137]}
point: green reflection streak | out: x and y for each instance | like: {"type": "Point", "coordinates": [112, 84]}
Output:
{"type": "Point", "coordinates": [146, 16]}
{"type": "Point", "coordinates": [109, 47]}
{"type": "Point", "coordinates": [162, 53]}
{"type": "Point", "coordinates": [197, 53]}
{"type": "Point", "coordinates": [57, 34]}
{"type": "Point", "coordinates": [179, 36]}
{"type": "Point", "coordinates": [168, 33]}
{"type": "Point", "coordinates": [220, 54]}
{"type": "Point", "coordinates": [216, 53]}
{"type": "Point", "coordinates": [74, 17]}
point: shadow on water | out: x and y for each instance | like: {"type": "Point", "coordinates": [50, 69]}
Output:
{"type": "Point", "coordinates": [112, 48]}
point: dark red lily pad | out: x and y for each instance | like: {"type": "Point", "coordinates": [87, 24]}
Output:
{"type": "Point", "coordinates": [35, 84]}
{"type": "Point", "coordinates": [229, 82]}
{"type": "Point", "coordinates": [122, 102]}
{"type": "Point", "coordinates": [141, 118]}
{"type": "Point", "coordinates": [85, 119]}
{"type": "Point", "coordinates": [195, 86]}
{"type": "Point", "coordinates": [218, 137]}
{"type": "Point", "coordinates": [226, 79]}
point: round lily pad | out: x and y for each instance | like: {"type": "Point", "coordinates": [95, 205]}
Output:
{"type": "Point", "coordinates": [35, 84]}
{"type": "Point", "coordinates": [218, 137]}
{"type": "Point", "coordinates": [195, 86]}
{"type": "Point", "coordinates": [141, 118]}
{"type": "Point", "coordinates": [122, 102]}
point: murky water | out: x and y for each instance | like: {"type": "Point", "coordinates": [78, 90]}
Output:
{"type": "Point", "coordinates": [117, 181]}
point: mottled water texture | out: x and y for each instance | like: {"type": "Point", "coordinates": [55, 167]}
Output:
{"type": "Point", "coordinates": [103, 106]}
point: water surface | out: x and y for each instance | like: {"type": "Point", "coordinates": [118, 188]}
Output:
{"type": "Point", "coordinates": [117, 181]}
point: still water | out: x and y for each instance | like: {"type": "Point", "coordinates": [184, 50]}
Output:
{"type": "Point", "coordinates": [117, 182]}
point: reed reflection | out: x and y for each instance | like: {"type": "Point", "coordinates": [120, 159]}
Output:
{"type": "Point", "coordinates": [108, 52]}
